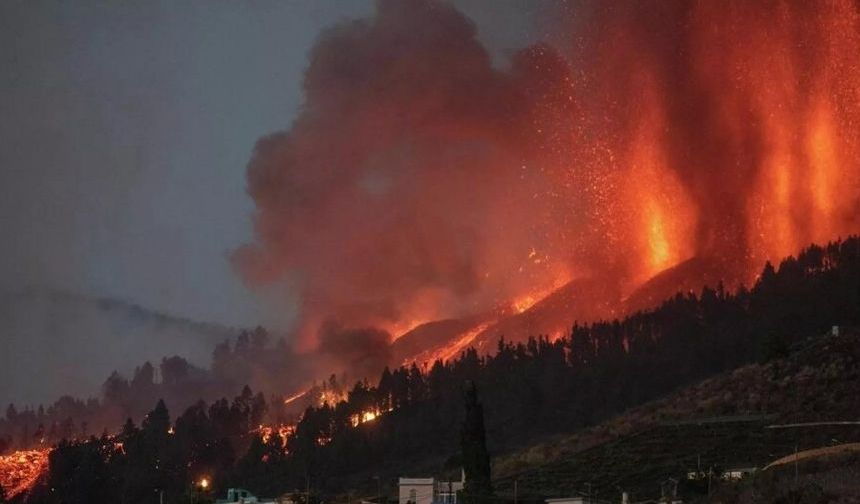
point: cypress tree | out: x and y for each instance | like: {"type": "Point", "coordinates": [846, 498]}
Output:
{"type": "Point", "coordinates": [478, 488]}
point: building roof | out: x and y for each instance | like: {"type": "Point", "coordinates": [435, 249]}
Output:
{"type": "Point", "coordinates": [416, 481]}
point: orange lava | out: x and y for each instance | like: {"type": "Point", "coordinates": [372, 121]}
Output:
{"type": "Point", "coordinates": [453, 349]}
{"type": "Point", "coordinates": [796, 86]}
{"type": "Point", "coordinates": [295, 397]}
{"type": "Point", "coordinates": [20, 470]}
{"type": "Point", "coordinates": [663, 232]}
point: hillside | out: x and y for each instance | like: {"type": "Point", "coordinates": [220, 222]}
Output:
{"type": "Point", "coordinates": [630, 402]}
{"type": "Point", "coordinates": [582, 299]}
{"type": "Point", "coordinates": [544, 388]}
{"type": "Point", "coordinates": [733, 420]}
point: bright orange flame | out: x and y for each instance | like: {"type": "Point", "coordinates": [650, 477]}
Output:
{"type": "Point", "coordinates": [796, 88]}
{"type": "Point", "coordinates": [523, 303]}
{"type": "Point", "coordinates": [283, 431]}
{"type": "Point", "coordinates": [821, 147]}
{"type": "Point", "coordinates": [658, 244]}
{"type": "Point", "coordinates": [366, 416]}
{"type": "Point", "coordinates": [331, 398]}
{"type": "Point", "coordinates": [666, 220]}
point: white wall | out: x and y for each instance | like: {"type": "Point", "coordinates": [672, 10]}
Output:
{"type": "Point", "coordinates": [423, 490]}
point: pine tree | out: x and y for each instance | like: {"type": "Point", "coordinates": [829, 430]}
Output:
{"type": "Point", "coordinates": [478, 487]}
{"type": "Point", "coordinates": [157, 422]}
{"type": "Point", "coordinates": [128, 429]}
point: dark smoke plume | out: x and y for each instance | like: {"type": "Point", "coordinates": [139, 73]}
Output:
{"type": "Point", "coordinates": [401, 191]}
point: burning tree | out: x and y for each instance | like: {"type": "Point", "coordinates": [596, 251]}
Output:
{"type": "Point", "coordinates": [476, 460]}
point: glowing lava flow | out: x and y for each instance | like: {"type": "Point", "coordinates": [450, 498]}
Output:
{"type": "Point", "coordinates": [20, 470]}
{"type": "Point", "coordinates": [295, 396]}
{"type": "Point", "coordinates": [453, 349]}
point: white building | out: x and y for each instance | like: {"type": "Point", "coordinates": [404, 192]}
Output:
{"type": "Point", "coordinates": [584, 499]}
{"type": "Point", "coordinates": [569, 500]}
{"type": "Point", "coordinates": [738, 473]}
{"type": "Point", "coordinates": [428, 491]}
{"type": "Point", "coordinates": [242, 496]}
{"type": "Point", "coordinates": [416, 491]}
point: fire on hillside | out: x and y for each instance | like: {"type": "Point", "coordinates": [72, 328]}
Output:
{"type": "Point", "coordinates": [20, 470]}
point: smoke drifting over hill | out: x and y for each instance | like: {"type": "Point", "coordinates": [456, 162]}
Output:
{"type": "Point", "coordinates": [398, 193]}
{"type": "Point", "coordinates": [56, 343]}
{"type": "Point", "coordinates": [420, 182]}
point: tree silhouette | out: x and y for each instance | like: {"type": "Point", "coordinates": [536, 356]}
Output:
{"type": "Point", "coordinates": [478, 487]}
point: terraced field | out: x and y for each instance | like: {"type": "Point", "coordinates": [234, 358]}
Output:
{"type": "Point", "coordinates": [724, 422]}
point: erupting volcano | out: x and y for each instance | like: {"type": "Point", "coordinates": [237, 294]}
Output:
{"type": "Point", "coordinates": [579, 227]}
{"type": "Point", "coordinates": [647, 147]}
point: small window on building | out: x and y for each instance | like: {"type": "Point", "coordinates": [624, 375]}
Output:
{"type": "Point", "coordinates": [413, 496]}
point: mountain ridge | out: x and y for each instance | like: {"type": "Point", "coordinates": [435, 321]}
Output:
{"type": "Point", "coordinates": [43, 329]}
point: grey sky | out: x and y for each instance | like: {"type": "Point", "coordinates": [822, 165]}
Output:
{"type": "Point", "coordinates": [125, 128]}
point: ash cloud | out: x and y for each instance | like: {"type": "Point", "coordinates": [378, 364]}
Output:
{"type": "Point", "coordinates": [399, 189]}
{"type": "Point", "coordinates": [363, 352]}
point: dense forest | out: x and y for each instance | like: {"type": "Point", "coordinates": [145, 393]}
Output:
{"type": "Point", "coordinates": [248, 361]}
{"type": "Point", "coordinates": [543, 387]}
{"type": "Point", "coordinates": [528, 390]}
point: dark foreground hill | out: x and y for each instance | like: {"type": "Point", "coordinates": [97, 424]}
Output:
{"type": "Point", "coordinates": [746, 418]}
